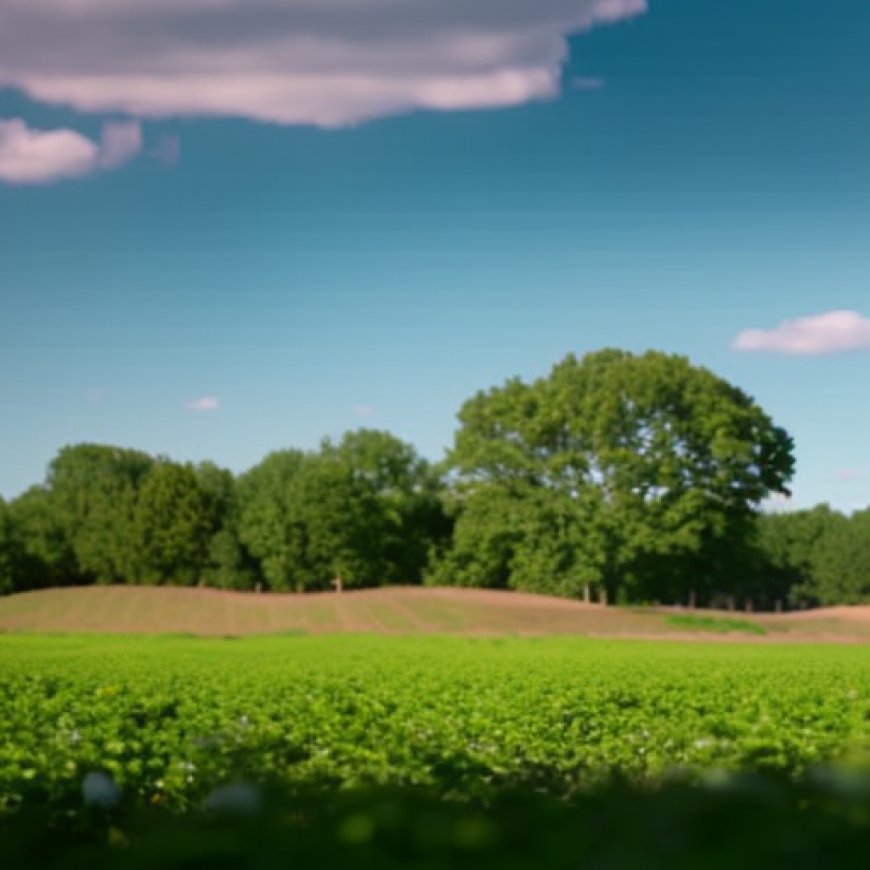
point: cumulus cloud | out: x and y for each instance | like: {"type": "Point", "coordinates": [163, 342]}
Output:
{"type": "Point", "coordinates": [831, 332]}
{"type": "Point", "coordinates": [30, 156]}
{"type": "Point", "coordinates": [40, 156]}
{"type": "Point", "coordinates": [204, 403]}
{"type": "Point", "coordinates": [322, 62]}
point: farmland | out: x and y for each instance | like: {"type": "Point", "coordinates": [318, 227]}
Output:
{"type": "Point", "coordinates": [171, 719]}
{"type": "Point", "coordinates": [430, 751]}
{"type": "Point", "coordinates": [400, 611]}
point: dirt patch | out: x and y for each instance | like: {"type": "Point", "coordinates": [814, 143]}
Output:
{"type": "Point", "coordinates": [395, 610]}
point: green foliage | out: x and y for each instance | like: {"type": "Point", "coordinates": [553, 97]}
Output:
{"type": "Point", "coordinates": [229, 564]}
{"type": "Point", "coordinates": [267, 523]}
{"type": "Point", "coordinates": [841, 563]}
{"type": "Point", "coordinates": [431, 752]}
{"type": "Point", "coordinates": [9, 555]}
{"type": "Point", "coordinates": [633, 473]}
{"type": "Point", "coordinates": [170, 719]}
{"type": "Point", "coordinates": [635, 478]}
{"type": "Point", "coordinates": [43, 554]}
{"type": "Point", "coordinates": [819, 556]}
{"type": "Point", "coordinates": [407, 490]}
{"type": "Point", "coordinates": [757, 822]}
{"type": "Point", "coordinates": [718, 624]}
{"type": "Point", "coordinates": [484, 542]}
{"type": "Point", "coordinates": [365, 510]}
{"type": "Point", "coordinates": [173, 524]}
{"type": "Point", "coordinates": [93, 490]}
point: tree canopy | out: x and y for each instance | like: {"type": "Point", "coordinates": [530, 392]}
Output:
{"type": "Point", "coordinates": [622, 471]}
{"type": "Point", "coordinates": [628, 477]}
{"type": "Point", "coordinates": [363, 511]}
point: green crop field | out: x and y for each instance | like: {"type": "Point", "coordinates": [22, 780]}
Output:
{"type": "Point", "coordinates": [173, 718]}
{"type": "Point", "coordinates": [179, 724]}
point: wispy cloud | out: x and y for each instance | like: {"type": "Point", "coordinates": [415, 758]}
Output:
{"type": "Point", "coordinates": [828, 333]}
{"type": "Point", "coordinates": [364, 412]}
{"type": "Point", "coordinates": [293, 61]}
{"type": "Point", "coordinates": [167, 151]}
{"type": "Point", "coordinates": [95, 395]}
{"type": "Point", "coordinates": [202, 404]}
{"type": "Point", "coordinates": [121, 142]}
{"type": "Point", "coordinates": [849, 475]}
{"type": "Point", "coordinates": [587, 83]}
{"type": "Point", "coordinates": [31, 156]}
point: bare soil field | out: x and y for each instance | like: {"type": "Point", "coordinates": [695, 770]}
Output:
{"type": "Point", "coordinates": [396, 610]}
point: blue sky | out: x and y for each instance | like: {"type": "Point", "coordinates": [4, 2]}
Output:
{"type": "Point", "coordinates": [207, 261]}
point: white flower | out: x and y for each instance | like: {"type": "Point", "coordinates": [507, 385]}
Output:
{"type": "Point", "coordinates": [100, 790]}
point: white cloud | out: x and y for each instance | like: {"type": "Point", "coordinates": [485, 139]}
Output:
{"type": "Point", "coordinates": [121, 142]}
{"type": "Point", "coordinates": [205, 403]}
{"type": "Point", "coordinates": [40, 156]}
{"type": "Point", "coordinates": [831, 332]}
{"type": "Point", "coordinates": [322, 62]}
{"type": "Point", "coordinates": [30, 156]}
{"type": "Point", "coordinates": [364, 412]}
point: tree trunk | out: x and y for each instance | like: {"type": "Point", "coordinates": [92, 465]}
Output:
{"type": "Point", "coordinates": [693, 600]}
{"type": "Point", "coordinates": [749, 607]}
{"type": "Point", "coordinates": [602, 596]}
{"type": "Point", "coordinates": [587, 593]}
{"type": "Point", "coordinates": [778, 605]}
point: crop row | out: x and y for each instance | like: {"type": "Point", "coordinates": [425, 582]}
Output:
{"type": "Point", "coordinates": [169, 720]}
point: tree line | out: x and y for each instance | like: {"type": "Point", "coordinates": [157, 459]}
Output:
{"type": "Point", "coordinates": [618, 477]}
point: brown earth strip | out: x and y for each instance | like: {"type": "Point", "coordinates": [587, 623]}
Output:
{"type": "Point", "coordinates": [398, 610]}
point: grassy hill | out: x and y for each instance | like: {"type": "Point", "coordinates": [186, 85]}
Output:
{"type": "Point", "coordinates": [397, 610]}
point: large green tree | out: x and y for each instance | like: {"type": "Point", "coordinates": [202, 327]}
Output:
{"type": "Point", "coordinates": [41, 546]}
{"type": "Point", "coordinates": [630, 473]}
{"type": "Point", "coordinates": [309, 520]}
{"type": "Point", "coordinates": [173, 524]}
{"type": "Point", "coordinates": [840, 572]}
{"type": "Point", "coordinates": [787, 548]}
{"type": "Point", "coordinates": [407, 491]}
{"type": "Point", "coordinates": [268, 524]}
{"type": "Point", "coordinates": [9, 556]}
{"type": "Point", "coordinates": [229, 564]}
{"type": "Point", "coordinates": [365, 510]}
{"type": "Point", "coordinates": [94, 489]}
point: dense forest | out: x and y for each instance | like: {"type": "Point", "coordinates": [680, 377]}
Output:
{"type": "Point", "coordinates": [619, 477]}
